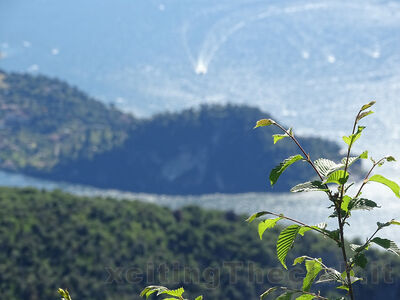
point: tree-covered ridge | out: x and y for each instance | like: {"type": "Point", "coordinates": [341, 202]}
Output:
{"type": "Point", "coordinates": [110, 249]}
{"type": "Point", "coordinates": [44, 121]}
{"type": "Point", "coordinates": [206, 150]}
{"type": "Point", "coordinates": [52, 130]}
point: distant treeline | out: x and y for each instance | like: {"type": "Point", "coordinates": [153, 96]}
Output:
{"type": "Point", "coordinates": [110, 249]}
{"type": "Point", "coordinates": [52, 130]}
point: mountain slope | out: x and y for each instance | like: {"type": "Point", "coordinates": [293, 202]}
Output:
{"type": "Point", "coordinates": [212, 149]}
{"type": "Point", "coordinates": [44, 121]}
{"type": "Point", "coordinates": [54, 131]}
{"type": "Point", "coordinates": [110, 249]}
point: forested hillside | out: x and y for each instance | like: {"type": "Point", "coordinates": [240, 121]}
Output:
{"type": "Point", "coordinates": [110, 249]}
{"type": "Point", "coordinates": [44, 121]}
{"type": "Point", "coordinates": [52, 130]}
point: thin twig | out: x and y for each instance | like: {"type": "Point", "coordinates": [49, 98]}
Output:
{"type": "Point", "coordinates": [302, 224]}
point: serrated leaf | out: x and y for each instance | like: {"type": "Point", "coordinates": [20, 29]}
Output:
{"type": "Point", "coordinates": [387, 244]}
{"type": "Point", "coordinates": [350, 140]}
{"type": "Point", "coordinates": [176, 293]}
{"type": "Point", "coordinates": [152, 289]}
{"type": "Point", "coordinates": [360, 260]}
{"type": "Point", "coordinates": [267, 224]}
{"type": "Point", "coordinates": [267, 292]}
{"type": "Point", "coordinates": [264, 122]}
{"type": "Point", "coordinates": [305, 297]}
{"type": "Point", "coordinates": [313, 268]}
{"type": "Point", "coordinates": [390, 184]}
{"type": "Point", "coordinates": [285, 242]}
{"type": "Point", "coordinates": [362, 204]}
{"type": "Point", "coordinates": [368, 105]}
{"type": "Point", "coordinates": [325, 166]}
{"type": "Point", "coordinates": [278, 170]}
{"type": "Point", "coordinates": [257, 215]}
{"type": "Point", "coordinates": [364, 114]}
{"type": "Point", "coordinates": [356, 247]}
{"type": "Point", "coordinates": [309, 186]}
{"type": "Point", "coordinates": [339, 177]}
{"type": "Point", "coordinates": [330, 274]}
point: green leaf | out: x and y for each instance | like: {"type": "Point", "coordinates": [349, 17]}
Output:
{"type": "Point", "coordinates": [313, 268]}
{"type": "Point", "coordinates": [345, 203]}
{"type": "Point", "coordinates": [299, 260]}
{"type": "Point", "coordinates": [390, 184]}
{"type": "Point", "coordinates": [334, 234]}
{"type": "Point", "coordinates": [394, 222]}
{"type": "Point", "coordinates": [325, 166]}
{"type": "Point", "coordinates": [64, 294]}
{"type": "Point", "coordinates": [368, 105]}
{"type": "Point", "coordinates": [267, 292]}
{"type": "Point", "coordinates": [386, 158]}
{"type": "Point", "coordinates": [343, 287]}
{"type": "Point", "coordinates": [285, 242]}
{"type": "Point", "coordinates": [199, 298]}
{"type": "Point", "coordinates": [387, 244]}
{"type": "Point", "coordinates": [339, 177]}
{"type": "Point", "coordinates": [257, 215]}
{"type": "Point", "coordinates": [330, 274]}
{"type": "Point", "coordinates": [364, 114]}
{"type": "Point", "coordinates": [309, 186]}
{"type": "Point", "coordinates": [364, 155]}
{"type": "Point", "coordinates": [362, 204]}
{"type": "Point", "coordinates": [147, 291]}
{"type": "Point", "coordinates": [278, 170]}
{"type": "Point", "coordinates": [353, 159]}
{"type": "Point", "coordinates": [349, 140]}
{"type": "Point", "coordinates": [176, 293]}
{"type": "Point", "coordinates": [356, 247]}
{"type": "Point", "coordinates": [278, 137]}
{"type": "Point", "coordinates": [305, 297]}
{"type": "Point", "coordinates": [360, 260]}
{"type": "Point", "coordinates": [264, 122]}
{"type": "Point", "coordinates": [304, 229]}
{"type": "Point", "coordinates": [267, 224]}
{"type": "Point", "coordinates": [285, 296]}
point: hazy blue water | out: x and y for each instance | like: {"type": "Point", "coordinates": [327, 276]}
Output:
{"type": "Point", "coordinates": [310, 208]}
{"type": "Point", "coordinates": [311, 64]}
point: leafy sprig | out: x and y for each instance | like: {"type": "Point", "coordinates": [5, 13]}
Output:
{"type": "Point", "coordinates": [333, 181]}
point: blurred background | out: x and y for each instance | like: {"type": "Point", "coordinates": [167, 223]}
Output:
{"type": "Point", "coordinates": [103, 103]}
